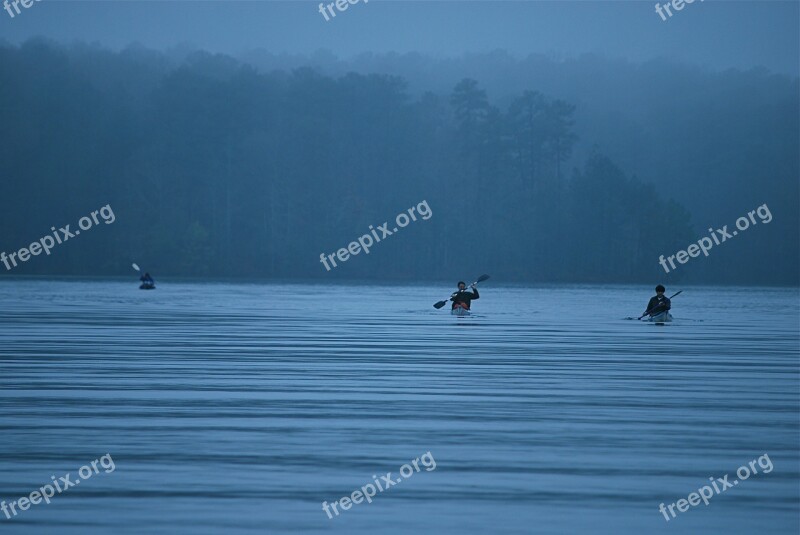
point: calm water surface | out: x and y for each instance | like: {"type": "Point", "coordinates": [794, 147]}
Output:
{"type": "Point", "coordinates": [240, 408]}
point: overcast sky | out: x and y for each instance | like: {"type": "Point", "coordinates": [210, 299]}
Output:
{"type": "Point", "coordinates": [719, 34]}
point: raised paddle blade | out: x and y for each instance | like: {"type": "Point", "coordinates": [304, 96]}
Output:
{"type": "Point", "coordinates": [482, 278]}
{"type": "Point", "coordinates": [135, 267]}
{"type": "Point", "coordinates": [440, 304]}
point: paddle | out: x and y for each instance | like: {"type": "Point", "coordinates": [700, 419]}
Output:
{"type": "Point", "coordinates": [440, 304]}
{"type": "Point", "coordinates": [648, 312]}
{"type": "Point", "coordinates": [136, 267]}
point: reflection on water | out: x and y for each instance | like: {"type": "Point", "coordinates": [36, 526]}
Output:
{"type": "Point", "coordinates": [241, 408]}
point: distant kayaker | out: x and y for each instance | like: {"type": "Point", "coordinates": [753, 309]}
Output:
{"type": "Point", "coordinates": [147, 281]}
{"type": "Point", "coordinates": [463, 298]}
{"type": "Point", "coordinates": [658, 303]}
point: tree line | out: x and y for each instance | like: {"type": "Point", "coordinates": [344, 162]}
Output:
{"type": "Point", "coordinates": [216, 169]}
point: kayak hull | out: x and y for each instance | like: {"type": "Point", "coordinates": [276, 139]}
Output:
{"type": "Point", "coordinates": [460, 311]}
{"type": "Point", "coordinates": [663, 317]}
{"type": "Point", "coordinates": [147, 287]}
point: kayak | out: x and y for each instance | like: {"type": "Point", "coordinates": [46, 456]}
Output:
{"type": "Point", "coordinates": [458, 310]}
{"type": "Point", "coordinates": [661, 317]}
{"type": "Point", "coordinates": [147, 287]}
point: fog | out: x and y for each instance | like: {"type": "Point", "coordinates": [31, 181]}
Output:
{"type": "Point", "coordinates": [717, 34]}
{"type": "Point", "coordinates": [551, 142]}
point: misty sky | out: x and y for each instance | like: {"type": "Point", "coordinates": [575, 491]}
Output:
{"type": "Point", "coordinates": [719, 34]}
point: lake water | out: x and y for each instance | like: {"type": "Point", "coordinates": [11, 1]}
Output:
{"type": "Point", "coordinates": [241, 408]}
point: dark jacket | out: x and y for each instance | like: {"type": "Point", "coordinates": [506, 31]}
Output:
{"type": "Point", "coordinates": [658, 304]}
{"type": "Point", "coordinates": [464, 297]}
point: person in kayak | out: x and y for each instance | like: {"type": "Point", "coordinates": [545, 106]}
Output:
{"type": "Point", "coordinates": [147, 280]}
{"type": "Point", "coordinates": [463, 298]}
{"type": "Point", "coordinates": [658, 303]}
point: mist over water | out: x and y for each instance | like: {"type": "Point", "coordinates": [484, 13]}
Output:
{"type": "Point", "coordinates": [239, 408]}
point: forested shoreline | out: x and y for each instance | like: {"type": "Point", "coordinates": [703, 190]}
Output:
{"type": "Point", "coordinates": [215, 168]}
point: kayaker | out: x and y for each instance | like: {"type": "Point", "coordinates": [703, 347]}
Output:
{"type": "Point", "coordinates": [463, 298]}
{"type": "Point", "coordinates": [658, 303]}
{"type": "Point", "coordinates": [147, 280]}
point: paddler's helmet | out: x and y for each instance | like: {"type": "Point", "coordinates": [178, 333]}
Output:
{"type": "Point", "coordinates": [660, 289]}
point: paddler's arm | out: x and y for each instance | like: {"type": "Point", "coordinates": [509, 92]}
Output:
{"type": "Point", "coordinates": [475, 294]}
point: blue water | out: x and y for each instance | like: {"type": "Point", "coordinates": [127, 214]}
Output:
{"type": "Point", "coordinates": [241, 408]}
